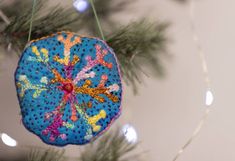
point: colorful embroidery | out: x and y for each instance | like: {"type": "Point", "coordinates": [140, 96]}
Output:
{"type": "Point", "coordinates": [69, 88]}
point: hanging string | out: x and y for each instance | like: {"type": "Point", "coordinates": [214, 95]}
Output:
{"type": "Point", "coordinates": [97, 19]}
{"type": "Point", "coordinates": [201, 54]}
{"type": "Point", "coordinates": [31, 20]}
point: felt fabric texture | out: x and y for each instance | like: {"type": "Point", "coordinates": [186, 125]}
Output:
{"type": "Point", "coordinates": [69, 88]}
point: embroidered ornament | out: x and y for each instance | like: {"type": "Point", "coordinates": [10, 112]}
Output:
{"type": "Point", "coordinates": [69, 88]}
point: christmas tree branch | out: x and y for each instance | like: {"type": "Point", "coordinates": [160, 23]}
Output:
{"type": "Point", "coordinates": [111, 147]}
{"type": "Point", "coordinates": [181, 1]}
{"type": "Point", "coordinates": [138, 47]}
{"type": "Point", "coordinates": [37, 154]}
{"type": "Point", "coordinates": [105, 9]}
{"type": "Point", "coordinates": [17, 31]}
{"type": "Point", "coordinates": [4, 18]}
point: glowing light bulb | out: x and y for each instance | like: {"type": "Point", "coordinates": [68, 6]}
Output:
{"type": "Point", "coordinates": [130, 133]}
{"type": "Point", "coordinates": [81, 5]}
{"type": "Point", "coordinates": [6, 139]}
{"type": "Point", "coordinates": [209, 98]}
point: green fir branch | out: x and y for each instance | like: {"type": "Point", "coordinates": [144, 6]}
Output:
{"type": "Point", "coordinates": [139, 47]}
{"type": "Point", "coordinates": [16, 33]}
{"type": "Point", "coordinates": [105, 9]}
{"type": "Point", "coordinates": [111, 147]}
{"type": "Point", "coordinates": [182, 1]}
{"type": "Point", "coordinates": [57, 19]}
{"type": "Point", "coordinates": [39, 154]}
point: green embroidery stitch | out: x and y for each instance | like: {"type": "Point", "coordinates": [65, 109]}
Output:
{"type": "Point", "coordinates": [25, 85]}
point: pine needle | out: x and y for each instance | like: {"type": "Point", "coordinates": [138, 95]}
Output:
{"type": "Point", "coordinates": [37, 154]}
{"type": "Point", "coordinates": [138, 47]}
{"type": "Point", "coordinates": [111, 147]}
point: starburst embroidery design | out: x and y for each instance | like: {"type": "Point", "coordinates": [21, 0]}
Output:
{"type": "Point", "coordinates": [69, 111]}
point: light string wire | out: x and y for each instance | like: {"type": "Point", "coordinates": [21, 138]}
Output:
{"type": "Point", "coordinates": [31, 20]}
{"type": "Point", "coordinates": [201, 55]}
{"type": "Point", "coordinates": [97, 19]}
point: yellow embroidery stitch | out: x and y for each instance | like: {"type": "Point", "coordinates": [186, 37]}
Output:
{"type": "Point", "coordinates": [44, 52]}
{"type": "Point", "coordinates": [94, 119]}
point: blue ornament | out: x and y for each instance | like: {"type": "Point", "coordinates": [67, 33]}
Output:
{"type": "Point", "coordinates": [69, 88]}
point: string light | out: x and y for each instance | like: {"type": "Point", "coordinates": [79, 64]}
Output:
{"type": "Point", "coordinates": [209, 98]}
{"type": "Point", "coordinates": [130, 133]}
{"type": "Point", "coordinates": [209, 95]}
{"type": "Point", "coordinates": [81, 5]}
{"type": "Point", "coordinates": [9, 141]}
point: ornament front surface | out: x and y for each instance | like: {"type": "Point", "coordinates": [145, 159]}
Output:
{"type": "Point", "coordinates": [69, 88]}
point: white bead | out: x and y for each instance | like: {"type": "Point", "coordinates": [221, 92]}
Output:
{"type": "Point", "coordinates": [209, 98]}
{"type": "Point", "coordinates": [8, 140]}
{"type": "Point", "coordinates": [81, 5]}
{"type": "Point", "coordinates": [130, 133]}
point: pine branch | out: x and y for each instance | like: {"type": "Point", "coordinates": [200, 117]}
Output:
{"type": "Point", "coordinates": [181, 1]}
{"type": "Point", "coordinates": [111, 147]}
{"type": "Point", "coordinates": [17, 31]}
{"type": "Point", "coordinates": [4, 17]}
{"type": "Point", "coordinates": [105, 9]}
{"type": "Point", "coordinates": [57, 19]}
{"type": "Point", "coordinates": [37, 154]}
{"type": "Point", "coordinates": [138, 47]}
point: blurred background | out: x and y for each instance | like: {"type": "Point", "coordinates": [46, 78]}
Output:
{"type": "Point", "coordinates": [166, 109]}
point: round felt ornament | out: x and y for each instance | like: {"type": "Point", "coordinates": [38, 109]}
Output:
{"type": "Point", "coordinates": [69, 88]}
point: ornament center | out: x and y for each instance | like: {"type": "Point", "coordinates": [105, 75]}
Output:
{"type": "Point", "coordinates": [68, 87]}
